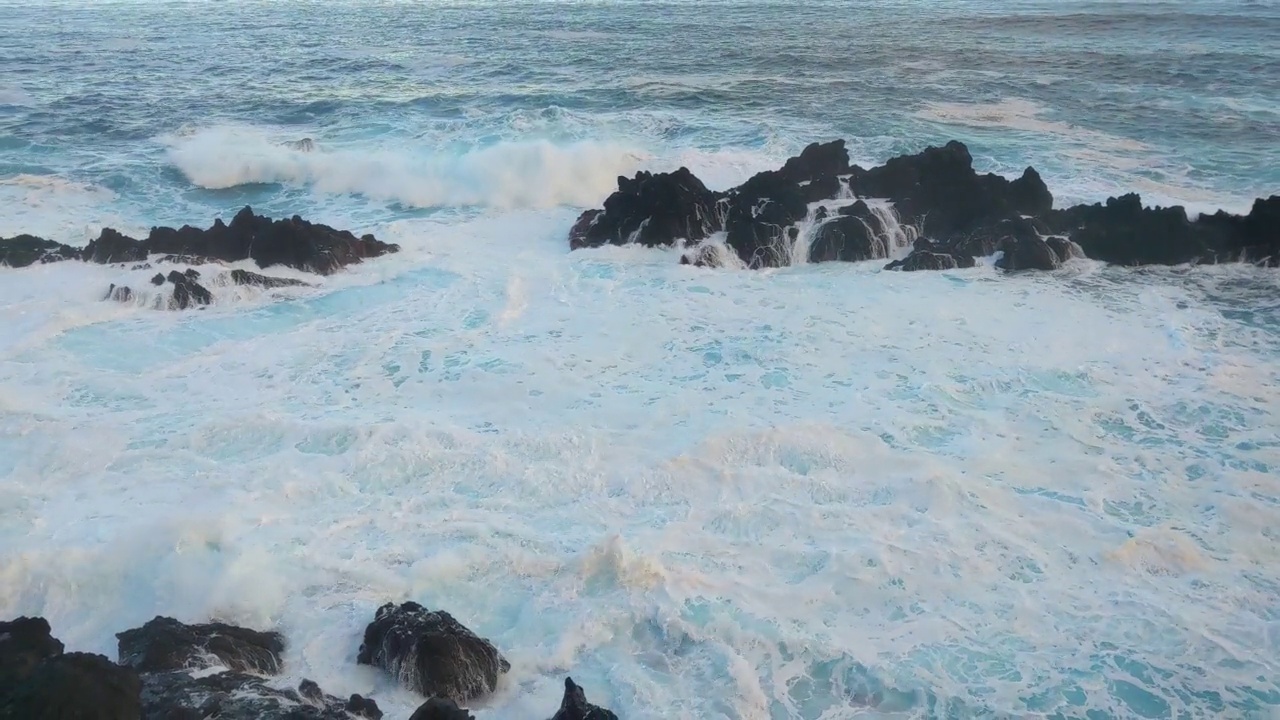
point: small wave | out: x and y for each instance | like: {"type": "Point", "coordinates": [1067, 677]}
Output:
{"type": "Point", "coordinates": [537, 174]}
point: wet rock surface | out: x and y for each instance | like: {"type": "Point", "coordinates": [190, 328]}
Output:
{"type": "Point", "coordinates": [936, 193]}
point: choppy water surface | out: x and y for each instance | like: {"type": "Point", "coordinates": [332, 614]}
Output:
{"type": "Point", "coordinates": [818, 492]}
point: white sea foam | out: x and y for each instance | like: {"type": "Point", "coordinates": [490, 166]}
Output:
{"type": "Point", "coordinates": [701, 492]}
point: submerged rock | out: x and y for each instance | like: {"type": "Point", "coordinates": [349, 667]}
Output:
{"type": "Point", "coordinates": [574, 706]}
{"type": "Point", "coordinates": [165, 644]}
{"type": "Point", "coordinates": [431, 652]}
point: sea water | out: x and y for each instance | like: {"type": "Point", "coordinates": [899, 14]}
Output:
{"type": "Point", "coordinates": [816, 492]}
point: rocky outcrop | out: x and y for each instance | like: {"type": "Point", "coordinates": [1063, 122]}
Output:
{"type": "Point", "coordinates": [187, 293]}
{"type": "Point", "coordinates": [651, 210]}
{"type": "Point", "coordinates": [25, 250]}
{"type": "Point", "coordinates": [38, 681]}
{"type": "Point", "coordinates": [962, 215]}
{"type": "Point", "coordinates": [166, 644]}
{"type": "Point", "coordinates": [153, 678]}
{"type": "Point", "coordinates": [24, 644]}
{"type": "Point", "coordinates": [73, 686]}
{"type": "Point", "coordinates": [169, 670]}
{"type": "Point", "coordinates": [574, 706]}
{"type": "Point", "coordinates": [293, 242]}
{"type": "Point", "coordinates": [440, 709]}
{"type": "Point", "coordinates": [241, 696]}
{"type": "Point", "coordinates": [431, 652]}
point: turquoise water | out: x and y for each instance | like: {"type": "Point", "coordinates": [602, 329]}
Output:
{"type": "Point", "coordinates": [815, 492]}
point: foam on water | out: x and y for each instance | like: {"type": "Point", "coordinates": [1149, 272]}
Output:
{"type": "Point", "coordinates": [703, 492]}
{"type": "Point", "coordinates": [819, 491]}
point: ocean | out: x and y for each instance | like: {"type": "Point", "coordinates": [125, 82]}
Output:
{"type": "Point", "coordinates": [821, 491]}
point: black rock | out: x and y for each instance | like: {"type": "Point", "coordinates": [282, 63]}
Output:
{"type": "Point", "coordinates": [176, 695]}
{"type": "Point", "coordinates": [440, 709]}
{"type": "Point", "coordinates": [928, 260]}
{"type": "Point", "coordinates": [966, 214]}
{"type": "Point", "coordinates": [1063, 248]}
{"type": "Point", "coordinates": [574, 706]}
{"type": "Point", "coordinates": [363, 707]}
{"type": "Point", "coordinates": [760, 211]}
{"type": "Point", "coordinates": [431, 652]}
{"type": "Point", "coordinates": [1028, 254]}
{"type": "Point", "coordinates": [74, 686]}
{"type": "Point", "coordinates": [25, 250]}
{"type": "Point", "coordinates": [309, 690]}
{"type": "Point", "coordinates": [295, 242]}
{"type": "Point", "coordinates": [244, 277]}
{"type": "Point", "coordinates": [158, 279]}
{"type": "Point", "coordinates": [166, 644]}
{"type": "Point", "coordinates": [856, 234]}
{"type": "Point", "coordinates": [187, 293]}
{"type": "Point", "coordinates": [651, 210]}
{"type": "Point", "coordinates": [939, 190]}
{"type": "Point", "coordinates": [24, 644]}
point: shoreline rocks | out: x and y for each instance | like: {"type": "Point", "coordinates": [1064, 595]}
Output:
{"type": "Point", "coordinates": [946, 211]}
{"type": "Point", "coordinates": [294, 243]}
{"type": "Point", "coordinates": [169, 670]}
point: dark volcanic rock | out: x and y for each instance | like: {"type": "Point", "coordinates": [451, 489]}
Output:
{"type": "Point", "coordinates": [363, 707]}
{"type": "Point", "coordinates": [431, 652]}
{"type": "Point", "coordinates": [939, 190]}
{"type": "Point", "coordinates": [176, 695]}
{"type": "Point", "coordinates": [74, 686]}
{"type": "Point", "coordinates": [244, 277]}
{"type": "Point", "coordinates": [651, 210]}
{"type": "Point", "coordinates": [929, 260]}
{"type": "Point", "coordinates": [187, 292]}
{"type": "Point", "coordinates": [440, 709]}
{"type": "Point", "coordinates": [760, 212]}
{"type": "Point", "coordinates": [935, 191]}
{"type": "Point", "coordinates": [574, 706]}
{"type": "Point", "coordinates": [158, 279]}
{"type": "Point", "coordinates": [1063, 248]}
{"type": "Point", "coordinates": [24, 644]}
{"type": "Point", "coordinates": [1123, 232]}
{"type": "Point", "coordinates": [295, 242]}
{"type": "Point", "coordinates": [1028, 254]}
{"type": "Point", "coordinates": [855, 234]}
{"type": "Point", "coordinates": [166, 644]}
{"type": "Point", "coordinates": [25, 250]}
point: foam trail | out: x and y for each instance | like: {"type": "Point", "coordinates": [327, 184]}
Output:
{"type": "Point", "coordinates": [507, 175]}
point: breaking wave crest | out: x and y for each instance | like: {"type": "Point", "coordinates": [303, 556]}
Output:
{"type": "Point", "coordinates": [529, 174]}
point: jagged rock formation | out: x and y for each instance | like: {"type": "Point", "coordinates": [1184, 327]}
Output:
{"type": "Point", "coordinates": [940, 206]}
